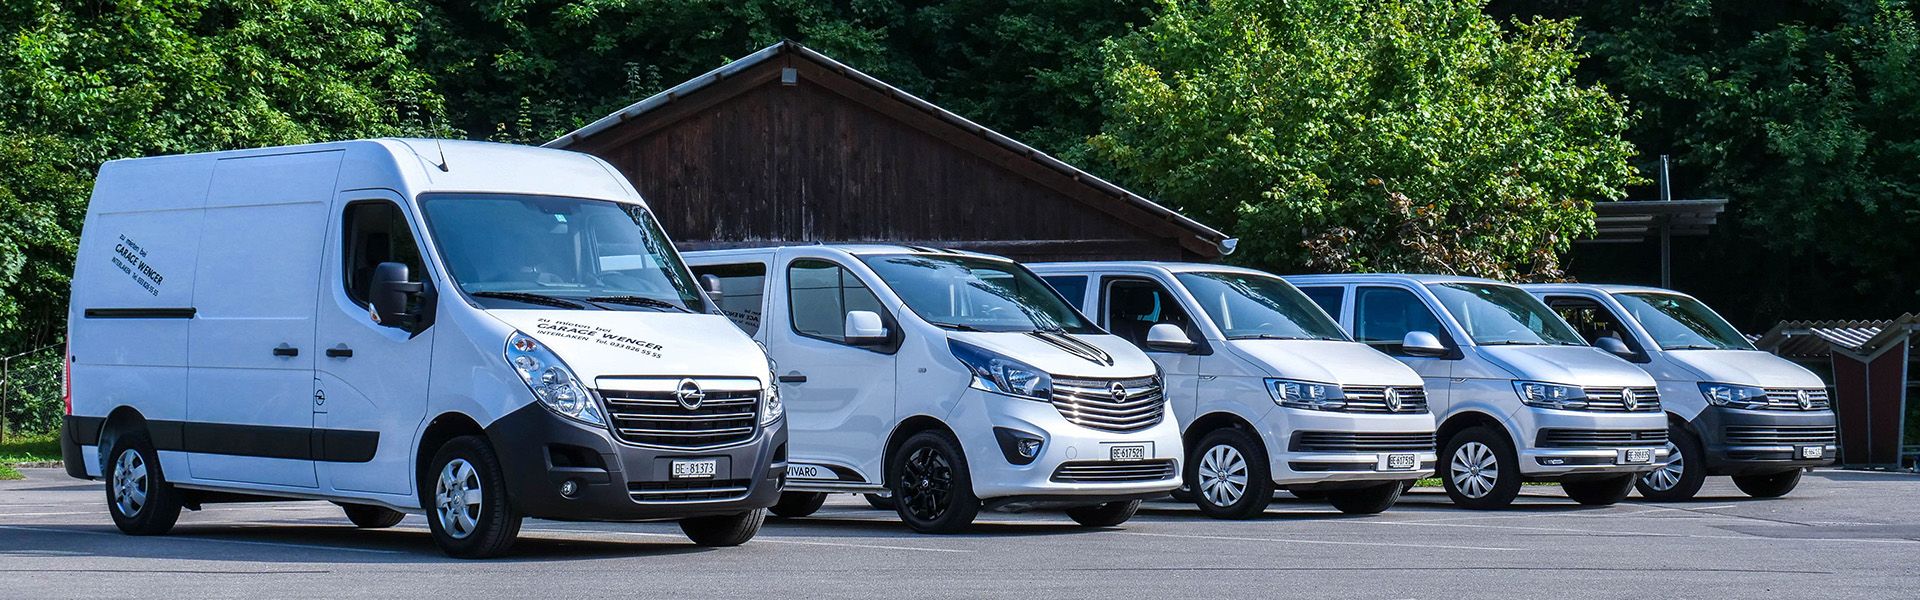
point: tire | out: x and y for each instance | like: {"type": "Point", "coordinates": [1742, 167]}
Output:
{"type": "Point", "coordinates": [372, 517]}
{"type": "Point", "coordinates": [723, 530]}
{"type": "Point", "coordinates": [461, 527]}
{"type": "Point", "coordinates": [1678, 479]}
{"type": "Point", "coordinates": [932, 489]}
{"type": "Point", "coordinates": [1228, 472]}
{"type": "Point", "coordinates": [1481, 470]}
{"type": "Point", "coordinates": [138, 495]}
{"type": "Point", "coordinates": [1371, 500]}
{"type": "Point", "coordinates": [1600, 492]}
{"type": "Point", "coordinates": [793, 505]}
{"type": "Point", "coordinates": [1104, 515]}
{"type": "Point", "coordinates": [878, 502]}
{"type": "Point", "coordinates": [1768, 486]}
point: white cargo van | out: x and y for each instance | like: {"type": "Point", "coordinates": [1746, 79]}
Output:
{"type": "Point", "coordinates": [1519, 395]}
{"type": "Point", "coordinates": [482, 332]}
{"type": "Point", "coordinates": [1268, 390]}
{"type": "Point", "coordinates": [1731, 409]}
{"type": "Point", "coordinates": [950, 381]}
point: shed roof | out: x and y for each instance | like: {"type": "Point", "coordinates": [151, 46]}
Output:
{"type": "Point", "coordinates": [1818, 339]}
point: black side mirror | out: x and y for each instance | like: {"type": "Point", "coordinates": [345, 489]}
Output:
{"type": "Point", "coordinates": [393, 298]}
{"type": "Point", "coordinates": [1615, 347]}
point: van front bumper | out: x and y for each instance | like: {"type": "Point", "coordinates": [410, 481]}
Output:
{"type": "Point", "coordinates": [1075, 464]}
{"type": "Point", "coordinates": [1755, 442]}
{"type": "Point", "coordinates": [542, 453]}
{"type": "Point", "coordinates": [1539, 460]}
{"type": "Point", "coordinates": [1307, 447]}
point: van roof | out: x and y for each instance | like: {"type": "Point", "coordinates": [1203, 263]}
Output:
{"type": "Point", "coordinates": [1168, 266]}
{"type": "Point", "coordinates": [1609, 288]}
{"type": "Point", "coordinates": [1412, 278]}
{"type": "Point", "coordinates": [854, 249]}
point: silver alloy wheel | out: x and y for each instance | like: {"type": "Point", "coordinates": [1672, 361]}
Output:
{"type": "Point", "coordinates": [1223, 475]}
{"type": "Point", "coordinates": [130, 482]}
{"type": "Point", "coordinates": [456, 498]}
{"type": "Point", "coordinates": [1475, 469]}
{"type": "Point", "coordinates": [1668, 475]}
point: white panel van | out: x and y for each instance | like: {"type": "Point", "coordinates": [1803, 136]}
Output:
{"type": "Point", "coordinates": [482, 332]}
{"type": "Point", "coordinates": [1518, 394]}
{"type": "Point", "coordinates": [1268, 390]}
{"type": "Point", "coordinates": [950, 382]}
{"type": "Point", "coordinates": [1731, 409]}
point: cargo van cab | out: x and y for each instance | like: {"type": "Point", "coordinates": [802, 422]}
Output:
{"type": "Point", "coordinates": [1518, 394]}
{"type": "Point", "coordinates": [1731, 409]}
{"type": "Point", "coordinates": [480, 332]}
{"type": "Point", "coordinates": [1268, 390]}
{"type": "Point", "coordinates": [944, 383]}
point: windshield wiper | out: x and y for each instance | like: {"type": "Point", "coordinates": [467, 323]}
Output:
{"type": "Point", "coordinates": [1693, 347]}
{"type": "Point", "coordinates": [1274, 336]}
{"type": "Point", "coordinates": [1510, 343]}
{"type": "Point", "coordinates": [640, 301]}
{"type": "Point", "coordinates": [955, 326]}
{"type": "Point", "coordinates": [530, 298]}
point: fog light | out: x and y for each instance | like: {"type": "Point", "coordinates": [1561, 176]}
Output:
{"type": "Point", "coordinates": [569, 488]}
{"type": "Point", "coordinates": [1029, 448]}
{"type": "Point", "coordinates": [1553, 462]}
{"type": "Point", "coordinates": [1019, 447]}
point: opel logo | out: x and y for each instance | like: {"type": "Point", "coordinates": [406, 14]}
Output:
{"type": "Point", "coordinates": [1806, 400]}
{"type": "Point", "coordinates": [1119, 392]}
{"type": "Point", "coordinates": [1629, 399]}
{"type": "Point", "coordinates": [1393, 400]}
{"type": "Point", "coordinates": [689, 394]}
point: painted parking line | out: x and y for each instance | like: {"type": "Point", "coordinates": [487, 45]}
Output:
{"type": "Point", "coordinates": [1322, 542]}
{"type": "Point", "coordinates": [183, 538]}
{"type": "Point", "coordinates": [1586, 515]}
{"type": "Point", "coordinates": [759, 539]}
{"type": "Point", "coordinates": [1900, 541]}
{"type": "Point", "coordinates": [211, 509]}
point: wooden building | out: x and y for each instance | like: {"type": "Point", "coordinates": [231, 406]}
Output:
{"type": "Point", "coordinates": [787, 145]}
{"type": "Point", "coordinates": [1873, 369]}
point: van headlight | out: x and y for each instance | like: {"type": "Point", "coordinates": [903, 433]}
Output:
{"type": "Point", "coordinates": [551, 381]}
{"type": "Point", "coordinates": [994, 372]}
{"type": "Point", "coordinates": [1550, 395]}
{"type": "Point", "coordinates": [771, 409]}
{"type": "Point", "coordinates": [1306, 394]}
{"type": "Point", "coordinates": [1735, 396]}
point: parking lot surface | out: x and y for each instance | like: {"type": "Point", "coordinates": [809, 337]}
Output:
{"type": "Point", "coordinates": [1841, 535]}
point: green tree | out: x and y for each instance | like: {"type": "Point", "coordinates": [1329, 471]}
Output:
{"type": "Point", "coordinates": [1356, 135]}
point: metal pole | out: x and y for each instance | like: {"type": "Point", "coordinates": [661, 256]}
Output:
{"type": "Point", "coordinates": [1666, 187]}
{"type": "Point", "coordinates": [1666, 229]}
{"type": "Point", "coordinates": [6, 382]}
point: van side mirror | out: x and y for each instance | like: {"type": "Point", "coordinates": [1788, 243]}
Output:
{"type": "Point", "coordinates": [391, 296]}
{"type": "Point", "coordinates": [711, 283]}
{"type": "Point", "coordinates": [1615, 347]}
{"type": "Point", "coordinates": [864, 328]}
{"type": "Point", "coordinates": [1167, 337]}
{"type": "Point", "coordinates": [1421, 343]}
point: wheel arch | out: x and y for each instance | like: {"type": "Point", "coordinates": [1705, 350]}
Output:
{"type": "Point", "coordinates": [440, 430]}
{"type": "Point", "coordinates": [904, 430]}
{"type": "Point", "coordinates": [1457, 423]}
{"type": "Point", "coordinates": [1217, 420]}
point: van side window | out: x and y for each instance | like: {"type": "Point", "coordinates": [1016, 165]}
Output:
{"type": "Point", "coordinates": [742, 289]}
{"type": "Point", "coordinates": [819, 295]}
{"type": "Point", "coordinates": [1136, 305]}
{"type": "Point", "coordinates": [1592, 320]}
{"type": "Point", "coordinates": [1328, 298]}
{"type": "Point", "coordinates": [1383, 316]}
{"type": "Point", "coordinates": [374, 232]}
{"type": "Point", "coordinates": [1073, 287]}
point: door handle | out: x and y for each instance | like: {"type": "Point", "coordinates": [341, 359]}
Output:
{"type": "Point", "coordinates": [340, 351]}
{"type": "Point", "coordinates": [285, 350]}
{"type": "Point", "coordinates": [793, 378]}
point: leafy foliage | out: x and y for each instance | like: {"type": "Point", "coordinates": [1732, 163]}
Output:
{"type": "Point", "coordinates": [1350, 135]}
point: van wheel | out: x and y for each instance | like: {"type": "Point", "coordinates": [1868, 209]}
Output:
{"type": "Point", "coordinates": [793, 505]}
{"type": "Point", "coordinates": [723, 530]}
{"type": "Point", "coordinates": [1674, 481]}
{"type": "Point", "coordinates": [1482, 471]}
{"type": "Point", "coordinates": [1371, 500]}
{"type": "Point", "coordinates": [878, 502]}
{"type": "Point", "coordinates": [465, 496]}
{"type": "Point", "coordinates": [1599, 492]}
{"type": "Point", "coordinates": [372, 517]}
{"type": "Point", "coordinates": [932, 490]}
{"type": "Point", "coordinates": [138, 495]}
{"type": "Point", "coordinates": [1228, 472]}
{"type": "Point", "coordinates": [1768, 486]}
{"type": "Point", "coordinates": [1104, 515]}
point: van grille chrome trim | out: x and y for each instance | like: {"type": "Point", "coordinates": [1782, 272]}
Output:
{"type": "Point", "coordinates": [1600, 438]}
{"type": "Point", "coordinates": [1092, 403]}
{"type": "Point", "coordinates": [1789, 399]}
{"type": "Point", "coordinates": [1779, 435]}
{"type": "Point", "coordinates": [679, 492]}
{"type": "Point", "coordinates": [646, 411]}
{"type": "Point", "coordinates": [1113, 471]}
{"type": "Point", "coordinates": [1349, 441]}
{"type": "Point", "coordinates": [1613, 399]}
{"type": "Point", "coordinates": [1373, 398]}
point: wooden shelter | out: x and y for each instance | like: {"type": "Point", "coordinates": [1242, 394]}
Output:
{"type": "Point", "coordinates": [1873, 379]}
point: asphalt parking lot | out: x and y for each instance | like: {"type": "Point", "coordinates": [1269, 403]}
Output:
{"type": "Point", "coordinates": [1841, 535]}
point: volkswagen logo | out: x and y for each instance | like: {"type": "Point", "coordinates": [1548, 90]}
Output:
{"type": "Point", "coordinates": [1805, 399]}
{"type": "Point", "coordinates": [689, 394]}
{"type": "Point", "coordinates": [1393, 400]}
{"type": "Point", "coordinates": [1629, 399]}
{"type": "Point", "coordinates": [1119, 392]}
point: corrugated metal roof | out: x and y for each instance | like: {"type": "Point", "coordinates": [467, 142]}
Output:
{"type": "Point", "coordinates": [1817, 339]}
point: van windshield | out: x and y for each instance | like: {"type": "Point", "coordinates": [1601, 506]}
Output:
{"type": "Point", "coordinates": [1503, 315]}
{"type": "Point", "coordinates": [1251, 307]}
{"type": "Point", "coordinates": [976, 294]}
{"type": "Point", "coordinates": [1681, 323]}
{"type": "Point", "coordinates": [508, 251]}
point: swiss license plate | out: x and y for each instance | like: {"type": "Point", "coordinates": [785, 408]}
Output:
{"type": "Point", "coordinates": [695, 469]}
{"type": "Point", "coordinates": [1812, 452]}
{"type": "Point", "coordinates": [1637, 456]}
{"type": "Point", "coordinates": [1134, 452]}
{"type": "Point", "coordinates": [1402, 462]}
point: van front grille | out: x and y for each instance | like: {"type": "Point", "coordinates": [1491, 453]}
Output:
{"type": "Point", "coordinates": [1613, 399]}
{"type": "Point", "coordinates": [1093, 403]}
{"type": "Point", "coordinates": [1600, 438]}
{"type": "Point", "coordinates": [1779, 435]}
{"type": "Point", "coordinates": [1345, 441]}
{"type": "Point", "coordinates": [719, 490]}
{"type": "Point", "coordinates": [649, 412]}
{"type": "Point", "coordinates": [1373, 399]}
{"type": "Point", "coordinates": [1114, 471]}
{"type": "Point", "coordinates": [1789, 399]}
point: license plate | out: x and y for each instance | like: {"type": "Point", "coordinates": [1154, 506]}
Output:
{"type": "Point", "coordinates": [695, 469]}
{"type": "Point", "coordinates": [1812, 452]}
{"type": "Point", "coordinates": [1128, 453]}
{"type": "Point", "coordinates": [1402, 461]}
{"type": "Point", "coordinates": [1637, 456]}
